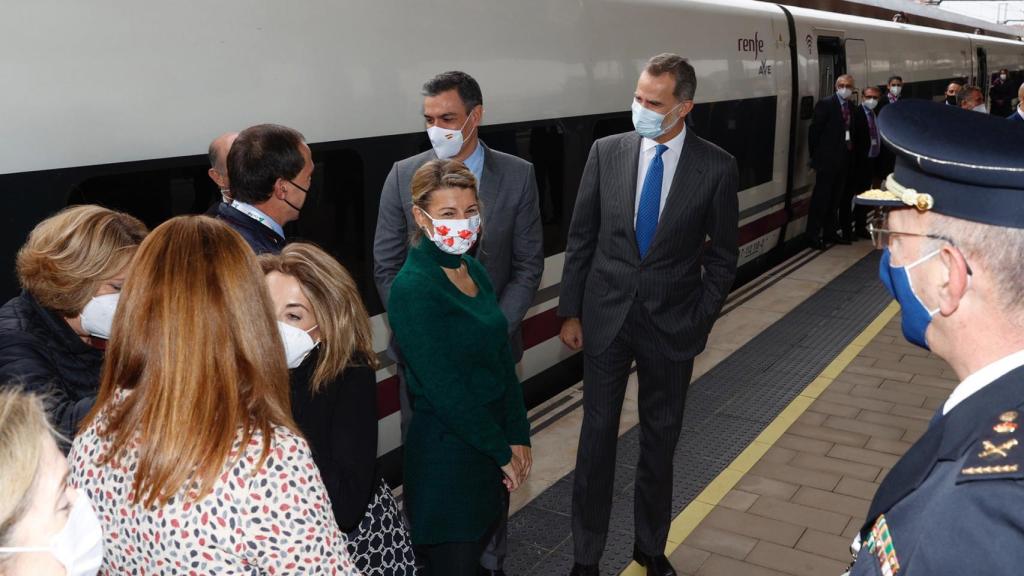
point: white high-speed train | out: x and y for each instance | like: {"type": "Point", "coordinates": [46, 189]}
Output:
{"type": "Point", "coordinates": [115, 102]}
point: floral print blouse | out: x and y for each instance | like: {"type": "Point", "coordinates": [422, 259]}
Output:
{"type": "Point", "coordinates": [273, 520]}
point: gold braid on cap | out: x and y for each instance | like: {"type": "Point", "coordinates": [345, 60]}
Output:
{"type": "Point", "coordinates": [909, 196]}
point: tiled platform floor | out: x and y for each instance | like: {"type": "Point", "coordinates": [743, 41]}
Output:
{"type": "Point", "coordinates": [796, 510]}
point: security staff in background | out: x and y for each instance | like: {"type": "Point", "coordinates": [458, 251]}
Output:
{"type": "Point", "coordinates": [952, 227]}
{"type": "Point", "coordinates": [830, 139]}
{"type": "Point", "coordinates": [952, 93]}
{"type": "Point", "coordinates": [511, 244]}
{"type": "Point", "coordinates": [650, 258]}
{"type": "Point", "coordinates": [973, 99]}
{"type": "Point", "coordinates": [1002, 93]}
{"type": "Point", "coordinates": [892, 96]}
{"type": "Point", "coordinates": [218, 172]}
{"type": "Point", "coordinates": [1018, 112]}
{"type": "Point", "coordinates": [867, 165]}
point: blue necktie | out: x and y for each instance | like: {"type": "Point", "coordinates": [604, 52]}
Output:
{"type": "Point", "coordinates": [650, 202]}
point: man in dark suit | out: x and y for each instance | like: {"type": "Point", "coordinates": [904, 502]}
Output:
{"type": "Point", "coordinates": [511, 244]}
{"type": "Point", "coordinates": [867, 170]}
{"type": "Point", "coordinates": [1001, 93]}
{"type": "Point", "coordinates": [270, 169]}
{"type": "Point", "coordinates": [640, 283]}
{"type": "Point", "coordinates": [1018, 112]}
{"type": "Point", "coordinates": [953, 236]}
{"type": "Point", "coordinates": [830, 140]}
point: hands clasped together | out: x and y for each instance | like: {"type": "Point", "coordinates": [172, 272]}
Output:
{"type": "Point", "coordinates": [518, 468]}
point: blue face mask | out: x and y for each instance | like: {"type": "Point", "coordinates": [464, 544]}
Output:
{"type": "Point", "coordinates": [915, 315]}
{"type": "Point", "coordinates": [648, 122]}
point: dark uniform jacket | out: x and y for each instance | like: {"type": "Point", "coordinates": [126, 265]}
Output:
{"type": "Point", "coordinates": [40, 352]}
{"type": "Point", "coordinates": [259, 237]}
{"type": "Point", "coordinates": [826, 137]}
{"type": "Point", "coordinates": [952, 506]}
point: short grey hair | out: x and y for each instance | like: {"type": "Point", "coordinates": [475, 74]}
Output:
{"type": "Point", "coordinates": [681, 70]}
{"type": "Point", "coordinates": [1000, 249]}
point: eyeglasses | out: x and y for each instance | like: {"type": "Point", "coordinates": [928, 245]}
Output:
{"type": "Point", "coordinates": [292, 182]}
{"type": "Point", "coordinates": [881, 235]}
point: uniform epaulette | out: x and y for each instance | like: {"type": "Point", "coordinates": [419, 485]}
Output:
{"type": "Point", "coordinates": [998, 453]}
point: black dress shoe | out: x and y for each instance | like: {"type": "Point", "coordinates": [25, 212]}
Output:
{"type": "Point", "coordinates": [488, 572]}
{"type": "Point", "coordinates": [817, 244]}
{"type": "Point", "coordinates": [864, 234]}
{"type": "Point", "coordinates": [584, 570]}
{"type": "Point", "coordinates": [837, 239]}
{"type": "Point", "coordinates": [656, 565]}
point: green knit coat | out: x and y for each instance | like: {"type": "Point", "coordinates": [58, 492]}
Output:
{"type": "Point", "coordinates": [467, 400]}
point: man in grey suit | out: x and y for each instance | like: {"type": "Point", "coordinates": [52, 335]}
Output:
{"type": "Point", "coordinates": [511, 244]}
{"type": "Point", "coordinates": [640, 282]}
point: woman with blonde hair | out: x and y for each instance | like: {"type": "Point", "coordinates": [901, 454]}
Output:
{"type": "Point", "coordinates": [191, 454]}
{"type": "Point", "coordinates": [47, 528]}
{"type": "Point", "coordinates": [71, 270]}
{"type": "Point", "coordinates": [468, 432]}
{"type": "Point", "coordinates": [329, 347]}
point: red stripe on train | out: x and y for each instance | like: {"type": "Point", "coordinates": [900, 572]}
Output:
{"type": "Point", "coordinates": [546, 325]}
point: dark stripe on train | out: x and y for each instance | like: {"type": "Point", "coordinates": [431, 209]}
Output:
{"type": "Point", "coordinates": [343, 221]}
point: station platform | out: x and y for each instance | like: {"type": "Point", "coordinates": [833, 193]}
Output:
{"type": "Point", "coordinates": [805, 398]}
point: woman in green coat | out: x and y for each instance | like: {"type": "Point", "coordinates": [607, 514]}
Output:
{"type": "Point", "coordinates": [468, 410]}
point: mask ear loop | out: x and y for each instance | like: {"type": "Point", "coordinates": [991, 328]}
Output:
{"type": "Point", "coordinates": [910, 280]}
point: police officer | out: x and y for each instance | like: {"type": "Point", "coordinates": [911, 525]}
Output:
{"type": "Point", "coordinates": [951, 223]}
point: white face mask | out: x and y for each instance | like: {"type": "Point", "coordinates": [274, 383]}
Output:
{"type": "Point", "coordinates": [895, 90]}
{"type": "Point", "coordinates": [870, 103]}
{"type": "Point", "coordinates": [844, 93]}
{"type": "Point", "coordinates": [454, 236]}
{"type": "Point", "coordinates": [297, 343]}
{"type": "Point", "coordinates": [1002, 77]}
{"type": "Point", "coordinates": [447, 143]}
{"type": "Point", "coordinates": [98, 315]}
{"type": "Point", "coordinates": [79, 545]}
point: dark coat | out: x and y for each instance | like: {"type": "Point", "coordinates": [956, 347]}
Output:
{"type": "Point", "coordinates": [39, 351]}
{"type": "Point", "coordinates": [682, 281]}
{"type": "Point", "coordinates": [340, 424]}
{"type": "Point", "coordinates": [259, 237]}
{"type": "Point", "coordinates": [865, 169]}
{"type": "Point", "coordinates": [951, 505]}
{"type": "Point", "coordinates": [826, 137]}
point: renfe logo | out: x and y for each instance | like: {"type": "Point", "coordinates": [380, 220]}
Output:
{"type": "Point", "coordinates": [751, 45]}
{"type": "Point", "coordinates": [756, 46]}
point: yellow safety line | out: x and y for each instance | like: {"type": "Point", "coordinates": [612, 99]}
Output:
{"type": "Point", "coordinates": [705, 502]}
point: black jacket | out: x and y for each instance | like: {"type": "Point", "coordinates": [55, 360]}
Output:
{"type": "Point", "coordinates": [826, 137]}
{"type": "Point", "coordinates": [39, 351]}
{"type": "Point", "coordinates": [340, 424]}
{"type": "Point", "coordinates": [258, 236]}
{"type": "Point", "coordinates": [865, 169]}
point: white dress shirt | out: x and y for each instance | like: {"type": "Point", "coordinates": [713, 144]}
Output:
{"type": "Point", "coordinates": [983, 378]}
{"type": "Point", "coordinates": [670, 159]}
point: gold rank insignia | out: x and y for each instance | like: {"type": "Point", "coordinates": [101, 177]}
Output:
{"type": "Point", "coordinates": [1002, 450]}
{"type": "Point", "coordinates": [1007, 422]}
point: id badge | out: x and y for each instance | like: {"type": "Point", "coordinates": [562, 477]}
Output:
{"type": "Point", "coordinates": [847, 135]}
{"type": "Point", "coordinates": [874, 142]}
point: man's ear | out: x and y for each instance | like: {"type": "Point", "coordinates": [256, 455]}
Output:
{"type": "Point", "coordinates": [956, 280]}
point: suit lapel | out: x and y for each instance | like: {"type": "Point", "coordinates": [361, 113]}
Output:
{"type": "Point", "coordinates": [628, 161]}
{"type": "Point", "coordinates": [684, 185]}
{"type": "Point", "coordinates": [946, 439]}
{"type": "Point", "coordinates": [489, 185]}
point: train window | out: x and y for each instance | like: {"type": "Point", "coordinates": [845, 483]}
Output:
{"type": "Point", "coordinates": [152, 196]}
{"type": "Point", "coordinates": [807, 107]}
{"type": "Point", "coordinates": [744, 128]}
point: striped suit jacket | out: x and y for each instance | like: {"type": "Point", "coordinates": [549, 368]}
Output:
{"type": "Point", "coordinates": [683, 280]}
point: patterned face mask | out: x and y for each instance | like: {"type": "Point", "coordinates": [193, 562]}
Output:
{"type": "Point", "coordinates": [454, 236]}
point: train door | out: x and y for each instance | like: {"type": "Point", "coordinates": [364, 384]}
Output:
{"type": "Point", "coordinates": [982, 78]}
{"type": "Point", "coordinates": [857, 61]}
{"type": "Point", "coordinates": [831, 63]}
